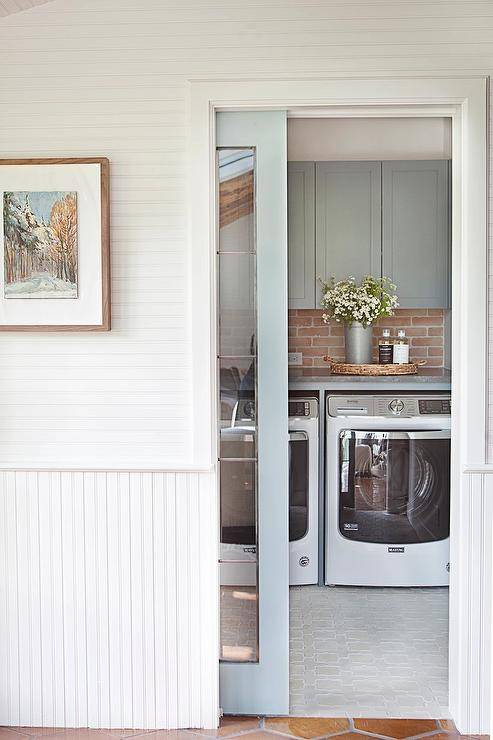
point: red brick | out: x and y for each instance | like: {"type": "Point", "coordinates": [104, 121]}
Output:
{"type": "Point", "coordinates": [435, 331]}
{"type": "Point", "coordinates": [416, 331]}
{"type": "Point", "coordinates": [426, 321]}
{"type": "Point", "coordinates": [332, 341]}
{"type": "Point", "coordinates": [418, 352]}
{"type": "Point", "coordinates": [436, 312]}
{"type": "Point", "coordinates": [312, 312]}
{"type": "Point", "coordinates": [434, 362]}
{"type": "Point", "coordinates": [320, 362]}
{"type": "Point", "coordinates": [427, 341]}
{"type": "Point", "coordinates": [316, 352]}
{"type": "Point", "coordinates": [396, 321]}
{"type": "Point", "coordinates": [300, 321]}
{"type": "Point", "coordinates": [301, 342]}
{"type": "Point", "coordinates": [337, 330]}
{"type": "Point", "coordinates": [411, 312]}
{"type": "Point", "coordinates": [435, 352]}
{"type": "Point", "coordinates": [314, 331]}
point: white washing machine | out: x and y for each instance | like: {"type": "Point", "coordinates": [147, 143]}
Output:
{"type": "Point", "coordinates": [388, 490]}
{"type": "Point", "coordinates": [238, 550]}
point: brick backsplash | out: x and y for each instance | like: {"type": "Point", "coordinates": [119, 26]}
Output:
{"type": "Point", "coordinates": [424, 328]}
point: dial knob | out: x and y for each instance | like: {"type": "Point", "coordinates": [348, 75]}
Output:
{"type": "Point", "coordinates": [396, 406]}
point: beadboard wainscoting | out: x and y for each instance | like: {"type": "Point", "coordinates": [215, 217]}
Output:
{"type": "Point", "coordinates": [472, 523]}
{"type": "Point", "coordinates": [107, 608]}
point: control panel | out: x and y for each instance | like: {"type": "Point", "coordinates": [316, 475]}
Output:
{"type": "Point", "coordinates": [397, 406]}
{"type": "Point", "coordinates": [297, 407]}
{"type": "Point", "coordinates": [307, 407]}
{"type": "Point", "coordinates": [434, 405]}
{"type": "Point", "coordinates": [389, 406]}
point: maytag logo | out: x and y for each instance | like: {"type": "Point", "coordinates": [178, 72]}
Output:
{"type": "Point", "coordinates": [396, 549]}
{"type": "Point", "coordinates": [350, 526]}
{"type": "Point", "coordinates": [250, 549]}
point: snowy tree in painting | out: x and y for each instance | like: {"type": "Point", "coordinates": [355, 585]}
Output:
{"type": "Point", "coordinates": [40, 244]}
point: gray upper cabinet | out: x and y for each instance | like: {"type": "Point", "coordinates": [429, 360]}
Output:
{"type": "Point", "coordinates": [416, 231]}
{"type": "Point", "coordinates": [348, 220]}
{"type": "Point", "coordinates": [301, 234]}
{"type": "Point", "coordinates": [370, 218]}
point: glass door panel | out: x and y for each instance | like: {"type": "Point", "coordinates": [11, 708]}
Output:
{"type": "Point", "coordinates": [237, 303]}
{"type": "Point", "coordinates": [252, 412]}
{"type": "Point", "coordinates": [298, 485]}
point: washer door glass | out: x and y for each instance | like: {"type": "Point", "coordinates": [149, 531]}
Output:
{"type": "Point", "coordinates": [394, 487]}
{"type": "Point", "coordinates": [298, 485]}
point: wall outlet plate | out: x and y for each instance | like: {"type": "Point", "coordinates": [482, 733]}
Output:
{"type": "Point", "coordinates": [295, 358]}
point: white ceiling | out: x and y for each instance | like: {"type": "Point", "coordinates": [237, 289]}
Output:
{"type": "Point", "coordinates": [7, 7]}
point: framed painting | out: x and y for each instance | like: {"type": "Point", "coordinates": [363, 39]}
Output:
{"type": "Point", "coordinates": [54, 244]}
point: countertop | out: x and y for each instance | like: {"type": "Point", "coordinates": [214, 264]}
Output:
{"type": "Point", "coordinates": [320, 379]}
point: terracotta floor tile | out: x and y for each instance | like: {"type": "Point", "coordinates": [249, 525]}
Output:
{"type": "Point", "coordinates": [73, 733]}
{"type": "Point", "coordinates": [11, 733]}
{"type": "Point", "coordinates": [452, 735]}
{"type": "Point", "coordinates": [447, 724]}
{"type": "Point", "coordinates": [39, 731]}
{"type": "Point", "coordinates": [231, 725]}
{"type": "Point", "coordinates": [168, 735]}
{"type": "Point", "coordinates": [396, 728]}
{"type": "Point", "coordinates": [306, 727]}
{"type": "Point", "coordinates": [350, 735]}
{"type": "Point", "coordinates": [125, 732]}
{"type": "Point", "coordinates": [259, 735]}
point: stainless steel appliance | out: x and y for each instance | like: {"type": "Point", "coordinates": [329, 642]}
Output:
{"type": "Point", "coordinates": [388, 490]}
{"type": "Point", "coordinates": [238, 535]}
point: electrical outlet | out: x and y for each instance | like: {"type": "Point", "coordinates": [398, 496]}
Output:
{"type": "Point", "coordinates": [295, 358]}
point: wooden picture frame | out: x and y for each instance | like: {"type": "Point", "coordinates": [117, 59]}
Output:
{"type": "Point", "coordinates": [98, 227]}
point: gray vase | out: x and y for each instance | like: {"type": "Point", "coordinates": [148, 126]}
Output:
{"type": "Point", "coordinates": [358, 339]}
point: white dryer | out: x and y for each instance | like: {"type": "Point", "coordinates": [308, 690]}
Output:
{"type": "Point", "coordinates": [238, 549]}
{"type": "Point", "coordinates": [388, 490]}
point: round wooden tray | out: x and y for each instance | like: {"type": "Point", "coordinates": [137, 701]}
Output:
{"type": "Point", "coordinates": [345, 368]}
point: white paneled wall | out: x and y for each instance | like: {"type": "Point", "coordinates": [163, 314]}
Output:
{"type": "Point", "coordinates": [109, 77]}
{"type": "Point", "coordinates": [101, 618]}
{"type": "Point", "coordinates": [103, 615]}
{"type": "Point", "coordinates": [471, 527]}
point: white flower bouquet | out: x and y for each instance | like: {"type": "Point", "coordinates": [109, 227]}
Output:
{"type": "Point", "coordinates": [347, 302]}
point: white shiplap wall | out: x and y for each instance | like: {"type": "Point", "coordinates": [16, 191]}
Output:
{"type": "Point", "coordinates": [109, 77]}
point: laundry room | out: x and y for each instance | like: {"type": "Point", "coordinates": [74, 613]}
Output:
{"type": "Point", "coordinates": [369, 324]}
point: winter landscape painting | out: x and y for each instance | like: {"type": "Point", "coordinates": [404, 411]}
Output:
{"type": "Point", "coordinates": [40, 244]}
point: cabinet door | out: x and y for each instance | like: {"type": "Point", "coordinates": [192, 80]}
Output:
{"type": "Point", "coordinates": [348, 220]}
{"type": "Point", "coordinates": [301, 234]}
{"type": "Point", "coordinates": [416, 232]}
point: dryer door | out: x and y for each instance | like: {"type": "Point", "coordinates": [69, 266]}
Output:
{"type": "Point", "coordinates": [298, 485]}
{"type": "Point", "coordinates": [394, 486]}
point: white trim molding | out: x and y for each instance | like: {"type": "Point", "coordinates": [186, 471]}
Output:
{"type": "Point", "coordinates": [465, 100]}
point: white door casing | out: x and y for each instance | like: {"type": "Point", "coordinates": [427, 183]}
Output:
{"type": "Point", "coordinates": [465, 101]}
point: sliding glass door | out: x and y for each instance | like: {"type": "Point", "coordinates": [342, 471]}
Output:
{"type": "Point", "coordinates": [252, 411]}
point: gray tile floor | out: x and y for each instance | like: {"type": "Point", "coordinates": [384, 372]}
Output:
{"type": "Point", "coordinates": [356, 652]}
{"type": "Point", "coordinates": [369, 652]}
